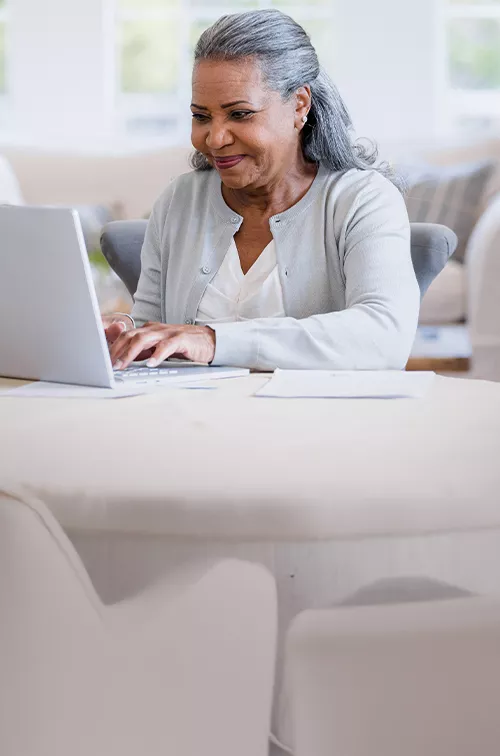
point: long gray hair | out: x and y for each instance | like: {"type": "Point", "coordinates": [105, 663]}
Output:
{"type": "Point", "coordinates": [288, 61]}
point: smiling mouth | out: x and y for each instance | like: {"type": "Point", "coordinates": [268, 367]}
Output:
{"type": "Point", "coordinates": [228, 162]}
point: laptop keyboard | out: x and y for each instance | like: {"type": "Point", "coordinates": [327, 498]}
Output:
{"type": "Point", "coordinates": [145, 374]}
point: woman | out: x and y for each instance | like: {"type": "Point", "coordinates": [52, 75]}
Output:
{"type": "Point", "coordinates": [284, 247]}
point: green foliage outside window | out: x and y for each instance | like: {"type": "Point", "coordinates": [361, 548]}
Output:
{"type": "Point", "coordinates": [149, 56]}
{"type": "Point", "coordinates": [474, 53]}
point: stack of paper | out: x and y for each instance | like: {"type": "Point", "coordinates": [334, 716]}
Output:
{"type": "Point", "coordinates": [347, 384]}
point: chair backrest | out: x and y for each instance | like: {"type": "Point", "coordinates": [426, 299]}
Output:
{"type": "Point", "coordinates": [121, 243]}
{"type": "Point", "coordinates": [179, 668]}
{"type": "Point", "coordinates": [412, 678]}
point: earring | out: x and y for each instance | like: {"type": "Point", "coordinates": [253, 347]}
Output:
{"type": "Point", "coordinates": [304, 119]}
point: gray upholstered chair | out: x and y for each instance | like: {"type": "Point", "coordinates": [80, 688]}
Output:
{"type": "Point", "coordinates": [121, 242]}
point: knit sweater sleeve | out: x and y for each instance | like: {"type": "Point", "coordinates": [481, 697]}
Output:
{"type": "Point", "coordinates": [147, 299]}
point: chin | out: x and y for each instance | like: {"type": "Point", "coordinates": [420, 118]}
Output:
{"type": "Point", "coordinates": [234, 182]}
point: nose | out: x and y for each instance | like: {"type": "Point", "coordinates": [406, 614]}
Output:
{"type": "Point", "coordinates": [218, 135]}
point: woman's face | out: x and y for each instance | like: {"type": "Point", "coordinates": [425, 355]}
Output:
{"type": "Point", "coordinates": [246, 132]}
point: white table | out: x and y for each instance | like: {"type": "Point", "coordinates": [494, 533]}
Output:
{"type": "Point", "coordinates": [229, 465]}
{"type": "Point", "coordinates": [329, 494]}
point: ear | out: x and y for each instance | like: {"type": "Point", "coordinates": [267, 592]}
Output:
{"type": "Point", "coordinates": [302, 105]}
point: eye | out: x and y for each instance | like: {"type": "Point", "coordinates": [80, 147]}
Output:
{"type": "Point", "coordinates": [240, 115]}
{"type": "Point", "coordinates": [200, 117]}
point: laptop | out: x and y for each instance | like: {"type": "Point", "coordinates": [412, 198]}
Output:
{"type": "Point", "coordinates": [50, 324]}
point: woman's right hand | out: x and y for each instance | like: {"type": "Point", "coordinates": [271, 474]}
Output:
{"type": "Point", "coordinates": [114, 325]}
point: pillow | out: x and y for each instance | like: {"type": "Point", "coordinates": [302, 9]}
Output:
{"type": "Point", "coordinates": [493, 187]}
{"type": "Point", "coordinates": [451, 196]}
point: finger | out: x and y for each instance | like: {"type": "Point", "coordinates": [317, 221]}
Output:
{"type": "Point", "coordinates": [134, 345]}
{"type": "Point", "coordinates": [113, 331]}
{"type": "Point", "coordinates": [146, 354]}
{"type": "Point", "coordinates": [123, 341]}
{"type": "Point", "coordinates": [163, 350]}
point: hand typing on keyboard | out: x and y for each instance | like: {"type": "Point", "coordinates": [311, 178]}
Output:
{"type": "Point", "coordinates": [157, 342]}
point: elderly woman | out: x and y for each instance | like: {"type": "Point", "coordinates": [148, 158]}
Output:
{"type": "Point", "coordinates": [285, 247]}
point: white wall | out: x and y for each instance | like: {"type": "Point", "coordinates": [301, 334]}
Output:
{"type": "Point", "coordinates": [57, 66]}
{"type": "Point", "coordinates": [386, 64]}
{"type": "Point", "coordinates": [387, 67]}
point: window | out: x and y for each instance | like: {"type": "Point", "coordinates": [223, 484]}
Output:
{"type": "Point", "coordinates": [3, 62]}
{"type": "Point", "coordinates": [473, 63]}
{"type": "Point", "coordinates": [155, 40]}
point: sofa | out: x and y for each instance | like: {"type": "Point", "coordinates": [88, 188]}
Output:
{"type": "Point", "coordinates": [124, 186]}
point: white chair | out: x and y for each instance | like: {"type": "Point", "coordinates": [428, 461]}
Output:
{"type": "Point", "coordinates": [408, 679]}
{"type": "Point", "coordinates": [185, 668]}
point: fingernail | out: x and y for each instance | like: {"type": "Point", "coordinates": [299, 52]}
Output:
{"type": "Point", "coordinates": [151, 363]}
{"type": "Point", "coordinates": [118, 365]}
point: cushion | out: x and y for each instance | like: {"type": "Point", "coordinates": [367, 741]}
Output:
{"type": "Point", "coordinates": [493, 187]}
{"type": "Point", "coordinates": [445, 300]}
{"type": "Point", "coordinates": [450, 196]}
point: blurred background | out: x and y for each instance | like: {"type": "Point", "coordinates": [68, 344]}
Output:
{"type": "Point", "coordinates": [94, 112]}
{"type": "Point", "coordinates": [115, 74]}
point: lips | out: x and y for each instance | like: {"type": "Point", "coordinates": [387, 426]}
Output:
{"type": "Point", "coordinates": [227, 162]}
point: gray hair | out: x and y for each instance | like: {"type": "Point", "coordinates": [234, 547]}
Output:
{"type": "Point", "coordinates": [289, 61]}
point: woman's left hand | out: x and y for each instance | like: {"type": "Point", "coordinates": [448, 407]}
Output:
{"type": "Point", "coordinates": [157, 341]}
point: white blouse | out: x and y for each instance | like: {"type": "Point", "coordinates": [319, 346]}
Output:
{"type": "Point", "coordinates": [233, 295]}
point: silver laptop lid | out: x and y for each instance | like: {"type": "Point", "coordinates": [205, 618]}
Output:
{"type": "Point", "coordinates": [50, 326]}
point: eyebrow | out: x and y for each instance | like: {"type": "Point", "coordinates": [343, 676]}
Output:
{"type": "Point", "coordinates": [227, 105]}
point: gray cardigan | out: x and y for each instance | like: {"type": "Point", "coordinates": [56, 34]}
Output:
{"type": "Point", "coordinates": [349, 289]}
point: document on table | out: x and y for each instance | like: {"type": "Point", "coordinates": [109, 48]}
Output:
{"type": "Point", "coordinates": [70, 391]}
{"type": "Point", "coordinates": [347, 384]}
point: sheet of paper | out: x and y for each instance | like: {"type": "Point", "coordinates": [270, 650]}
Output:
{"type": "Point", "coordinates": [70, 391]}
{"type": "Point", "coordinates": [67, 391]}
{"type": "Point", "coordinates": [347, 384]}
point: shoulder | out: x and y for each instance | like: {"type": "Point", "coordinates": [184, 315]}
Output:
{"type": "Point", "coordinates": [364, 198]}
{"type": "Point", "coordinates": [358, 188]}
{"type": "Point", "coordinates": [185, 190]}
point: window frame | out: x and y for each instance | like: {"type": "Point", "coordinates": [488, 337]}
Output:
{"type": "Point", "coordinates": [5, 94]}
{"type": "Point", "coordinates": [129, 106]}
{"type": "Point", "coordinates": [4, 17]}
{"type": "Point", "coordinates": [464, 103]}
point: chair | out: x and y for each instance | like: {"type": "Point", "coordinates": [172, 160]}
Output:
{"type": "Point", "coordinates": [121, 243]}
{"type": "Point", "coordinates": [407, 679]}
{"type": "Point", "coordinates": [182, 668]}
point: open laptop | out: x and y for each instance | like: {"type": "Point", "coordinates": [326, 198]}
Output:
{"type": "Point", "coordinates": [50, 324]}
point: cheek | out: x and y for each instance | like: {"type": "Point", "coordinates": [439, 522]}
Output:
{"type": "Point", "coordinates": [273, 144]}
{"type": "Point", "coordinates": [261, 139]}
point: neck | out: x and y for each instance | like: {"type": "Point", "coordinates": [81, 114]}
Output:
{"type": "Point", "coordinates": [277, 194]}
